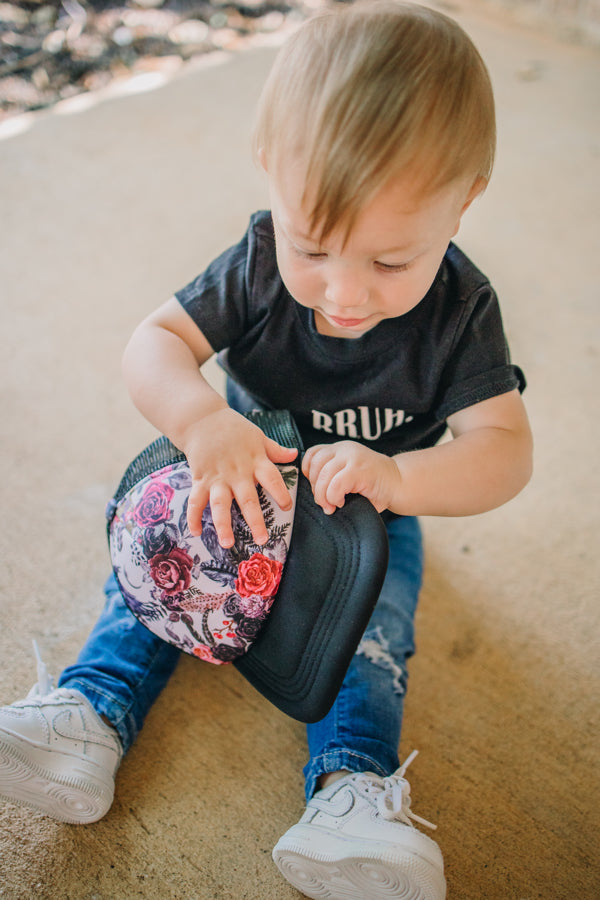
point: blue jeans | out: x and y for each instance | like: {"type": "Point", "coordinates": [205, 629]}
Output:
{"type": "Point", "coordinates": [123, 667]}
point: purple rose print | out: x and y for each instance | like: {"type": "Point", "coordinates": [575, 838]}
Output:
{"type": "Point", "coordinates": [254, 607]}
{"type": "Point", "coordinates": [225, 653]}
{"type": "Point", "coordinates": [232, 607]}
{"type": "Point", "coordinates": [153, 508]}
{"type": "Point", "coordinates": [247, 629]}
{"type": "Point", "coordinates": [159, 539]}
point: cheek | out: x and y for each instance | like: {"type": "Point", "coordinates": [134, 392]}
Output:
{"type": "Point", "coordinates": [425, 275]}
{"type": "Point", "coordinates": [421, 284]}
{"type": "Point", "coordinates": [407, 292]}
{"type": "Point", "coordinates": [302, 283]}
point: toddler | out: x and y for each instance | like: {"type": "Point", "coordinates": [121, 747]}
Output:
{"type": "Point", "coordinates": [347, 304]}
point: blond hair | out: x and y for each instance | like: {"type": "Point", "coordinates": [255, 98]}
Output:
{"type": "Point", "coordinates": [369, 92]}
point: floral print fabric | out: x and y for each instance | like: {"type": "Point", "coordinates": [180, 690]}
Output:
{"type": "Point", "coordinates": [208, 601]}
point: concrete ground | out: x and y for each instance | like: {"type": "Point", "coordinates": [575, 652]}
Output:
{"type": "Point", "coordinates": [104, 212]}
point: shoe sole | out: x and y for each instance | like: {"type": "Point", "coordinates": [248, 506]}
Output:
{"type": "Point", "coordinates": [359, 877]}
{"type": "Point", "coordinates": [35, 778]}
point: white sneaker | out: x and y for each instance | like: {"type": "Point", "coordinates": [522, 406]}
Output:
{"type": "Point", "coordinates": [356, 841]}
{"type": "Point", "coordinates": [57, 756]}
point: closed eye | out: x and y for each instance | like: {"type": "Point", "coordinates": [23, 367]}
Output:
{"type": "Point", "coordinates": [389, 267]}
{"type": "Point", "coordinates": [309, 254]}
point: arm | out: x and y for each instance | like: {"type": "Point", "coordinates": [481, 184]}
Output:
{"type": "Point", "coordinates": [227, 454]}
{"type": "Point", "coordinates": [488, 461]}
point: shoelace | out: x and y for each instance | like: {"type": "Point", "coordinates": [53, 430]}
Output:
{"type": "Point", "coordinates": [45, 684]}
{"type": "Point", "coordinates": [393, 800]}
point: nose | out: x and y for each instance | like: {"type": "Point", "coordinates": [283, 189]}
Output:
{"type": "Point", "coordinates": [345, 288]}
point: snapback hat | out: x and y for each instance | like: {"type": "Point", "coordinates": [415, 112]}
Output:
{"type": "Point", "coordinates": [288, 614]}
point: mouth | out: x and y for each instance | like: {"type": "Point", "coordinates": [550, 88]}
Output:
{"type": "Point", "coordinates": [347, 323]}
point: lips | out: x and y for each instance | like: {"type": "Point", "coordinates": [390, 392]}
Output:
{"type": "Point", "coordinates": [347, 323]}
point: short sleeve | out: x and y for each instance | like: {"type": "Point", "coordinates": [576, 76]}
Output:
{"type": "Point", "coordinates": [479, 365]}
{"type": "Point", "coordinates": [217, 300]}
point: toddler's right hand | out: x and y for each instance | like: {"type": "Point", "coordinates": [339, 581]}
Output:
{"type": "Point", "coordinates": [229, 456]}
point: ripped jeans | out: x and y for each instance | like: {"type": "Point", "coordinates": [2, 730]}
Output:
{"type": "Point", "coordinates": [361, 732]}
{"type": "Point", "coordinates": [123, 667]}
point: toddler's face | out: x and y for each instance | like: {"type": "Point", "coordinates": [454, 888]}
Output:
{"type": "Point", "coordinates": [386, 266]}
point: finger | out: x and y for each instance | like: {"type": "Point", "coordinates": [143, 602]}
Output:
{"type": "Point", "coordinates": [312, 466]}
{"type": "Point", "coordinates": [279, 454]}
{"type": "Point", "coordinates": [340, 484]}
{"type": "Point", "coordinates": [321, 486]}
{"type": "Point", "coordinates": [310, 454]}
{"type": "Point", "coordinates": [272, 481]}
{"type": "Point", "coordinates": [314, 460]}
{"type": "Point", "coordinates": [220, 508]}
{"type": "Point", "coordinates": [197, 502]}
{"type": "Point", "coordinates": [248, 502]}
{"type": "Point", "coordinates": [336, 478]}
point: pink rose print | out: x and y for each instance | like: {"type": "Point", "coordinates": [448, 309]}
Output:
{"type": "Point", "coordinates": [258, 575]}
{"type": "Point", "coordinates": [255, 607]}
{"type": "Point", "coordinates": [153, 508]}
{"type": "Point", "coordinates": [171, 571]}
{"type": "Point", "coordinates": [204, 653]}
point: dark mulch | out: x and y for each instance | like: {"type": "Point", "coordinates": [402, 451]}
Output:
{"type": "Point", "coordinates": [51, 50]}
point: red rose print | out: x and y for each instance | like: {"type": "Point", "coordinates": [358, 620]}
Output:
{"type": "Point", "coordinates": [259, 576]}
{"type": "Point", "coordinates": [153, 508]}
{"type": "Point", "coordinates": [171, 571]}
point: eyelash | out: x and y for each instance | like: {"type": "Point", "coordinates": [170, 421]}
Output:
{"type": "Point", "coordinates": [308, 254]}
{"type": "Point", "coordinates": [401, 267]}
{"type": "Point", "coordinates": [316, 256]}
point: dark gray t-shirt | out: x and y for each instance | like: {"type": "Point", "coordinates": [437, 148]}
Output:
{"type": "Point", "coordinates": [392, 389]}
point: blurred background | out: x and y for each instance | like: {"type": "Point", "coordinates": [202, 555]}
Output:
{"type": "Point", "coordinates": [51, 50]}
{"type": "Point", "coordinates": [56, 49]}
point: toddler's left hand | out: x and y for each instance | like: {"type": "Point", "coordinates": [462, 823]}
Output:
{"type": "Point", "coordinates": [348, 467]}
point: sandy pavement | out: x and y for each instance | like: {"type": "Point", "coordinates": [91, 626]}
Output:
{"type": "Point", "coordinates": [105, 212]}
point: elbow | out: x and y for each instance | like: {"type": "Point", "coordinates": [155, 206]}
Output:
{"type": "Point", "coordinates": [528, 473]}
{"type": "Point", "coordinates": [527, 456]}
{"type": "Point", "coordinates": [523, 463]}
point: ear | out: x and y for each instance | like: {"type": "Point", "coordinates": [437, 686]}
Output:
{"type": "Point", "coordinates": [262, 158]}
{"type": "Point", "coordinates": [477, 188]}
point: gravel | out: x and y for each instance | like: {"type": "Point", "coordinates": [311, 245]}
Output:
{"type": "Point", "coordinates": [52, 50]}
